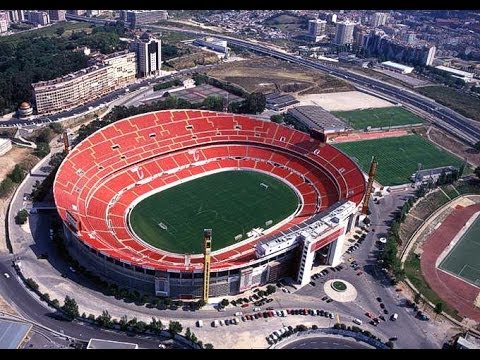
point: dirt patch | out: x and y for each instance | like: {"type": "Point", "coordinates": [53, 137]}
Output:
{"type": "Point", "coordinates": [344, 101]}
{"type": "Point", "coordinates": [15, 156]}
{"type": "Point", "coordinates": [6, 308]}
{"type": "Point", "coordinates": [267, 75]}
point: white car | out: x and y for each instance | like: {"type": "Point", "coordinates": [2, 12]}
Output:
{"type": "Point", "coordinates": [6, 275]}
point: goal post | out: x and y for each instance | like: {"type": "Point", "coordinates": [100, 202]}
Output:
{"type": "Point", "coordinates": [163, 226]}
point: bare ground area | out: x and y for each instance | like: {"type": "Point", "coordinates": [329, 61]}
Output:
{"type": "Point", "coordinates": [14, 156]}
{"type": "Point", "coordinates": [343, 101]}
{"type": "Point", "coordinates": [266, 75]}
{"type": "Point", "coordinates": [453, 145]}
{"type": "Point", "coordinates": [6, 308]}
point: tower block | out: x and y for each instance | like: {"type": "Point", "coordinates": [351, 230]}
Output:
{"type": "Point", "coordinates": [207, 248]}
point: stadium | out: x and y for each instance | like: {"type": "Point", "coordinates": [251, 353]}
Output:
{"type": "Point", "coordinates": [136, 196]}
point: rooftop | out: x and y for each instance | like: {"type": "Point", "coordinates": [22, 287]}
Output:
{"type": "Point", "coordinates": [317, 117]}
{"type": "Point", "coordinates": [454, 71]}
{"type": "Point", "coordinates": [12, 333]}
{"type": "Point", "coordinates": [109, 344]}
{"type": "Point", "coordinates": [397, 65]}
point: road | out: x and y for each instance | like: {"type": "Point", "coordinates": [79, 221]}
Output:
{"type": "Point", "coordinates": [32, 310]}
{"type": "Point", "coordinates": [324, 342]}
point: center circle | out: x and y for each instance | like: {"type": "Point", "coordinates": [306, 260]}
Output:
{"type": "Point", "coordinates": [339, 286]}
{"type": "Point", "coordinates": [231, 203]}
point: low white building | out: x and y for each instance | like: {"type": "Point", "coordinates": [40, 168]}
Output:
{"type": "Point", "coordinates": [5, 146]}
{"type": "Point", "coordinates": [396, 67]}
{"type": "Point", "coordinates": [459, 74]}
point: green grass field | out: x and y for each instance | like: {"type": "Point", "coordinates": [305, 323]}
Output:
{"type": "Point", "coordinates": [48, 31]}
{"type": "Point", "coordinates": [464, 259]}
{"type": "Point", "coordinates": [378, 118]}
{"type": "Point", "coordinates": [398, 157]}
{"type": "Point", "coordinates": [229, 202]}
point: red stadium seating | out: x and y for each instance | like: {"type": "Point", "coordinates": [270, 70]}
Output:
{"type": "Point", "coordinates": [106, 173]}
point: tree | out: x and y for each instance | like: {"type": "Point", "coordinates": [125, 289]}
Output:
{"type": "Point", "coordinates": [214, 103]}
{"type": "Point", "coordinates": [417, 298]}
{"type": "Point", "coordinates": [271, 289]}
{"type": "Point", "coordinates": [56, 127]}
{"type": "Point", "coordinates": [56, 159]}
{"type": "Point", "coordinates": [208, 346]}
{"type": "Point", "coordinates": [17, 174]}
{"type": "Point", "coordinates": [188, 334]}
{"type": "Point", "coordinates": [201, 303]}
{"type": "Point", "coordinates": [141, 327]}
{"type": "Point", "coordinates": [21, 217]}
{"type": "Point", "coordinates": [255, 103]}
{"type": "Point", "coordinates": [60, 31]}
{"type": "Point", "coordinates": [32, 284]}
{"type": "Point", "coordinates": [70, 307]}
{"type": "Point", "coordinates": [389, 344]}
{"type": "Point", "coordinates": [175, 328]}
{"type": "Point", "coordinates": [156, 326]}
{"type": "Point", "coordinates": [477, 171]}
{"type": "Point", "coordinates": [193, 338]}
{"type": "Point", "coordinates": [42, 150]}
{"type": "Point", "coordinates": [277, 118]}
{"type": "Point", "coordinates": [104, 320]}
{"type": "Point", "coordinates": [123, 323]}
{"type": "Point", "coordinates": [224, 302]}
{"type": "Point", "coordinates": [6, 187]}
{"type": "Point", "coordinates": [438, 308]}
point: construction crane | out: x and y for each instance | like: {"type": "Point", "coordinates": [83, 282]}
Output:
{"type": "Point", "coordinates": [207, 248]}
{"type": "Point", "coordinates": [371, 177]}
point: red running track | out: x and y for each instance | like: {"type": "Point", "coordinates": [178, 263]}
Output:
{"type": "Point", "coordinates": [457, 293]}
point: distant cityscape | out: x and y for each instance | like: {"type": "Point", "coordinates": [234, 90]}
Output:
{"type": "Point", "coordinates": [398, 41]}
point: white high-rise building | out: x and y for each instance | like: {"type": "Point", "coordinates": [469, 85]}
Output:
{"type": "Point", "coordinates": [430, 56]}
{"type": "Point", "coordinates": [344, 33]}
{"type": "Point", "coordinates": [379, 19]}
{"type": "Point", "coordinates": [4, 21]}
{"type": "Point", "coordinates": [149, 55]}
{"type": "Point", "coordinates": [332, 18]}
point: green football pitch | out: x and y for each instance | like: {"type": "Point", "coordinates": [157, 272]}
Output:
{"type": "Point", "coordinates": [464, 259]}
{"type": "Point", "coordinates": [378, 118]}
{"type": "Point", "coordinates": [398, 157]}
{"type": "Point", "coordinates": [230, 203]}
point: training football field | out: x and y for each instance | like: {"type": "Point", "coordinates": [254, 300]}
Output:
{"type": "Point", "coordinates": [230, 203]}
{"type": "Point", "coordinates": [398, 157]}
{"type": "Point", "coordinates": [378, 118]}
{"type": "Point", "coordinates": [464, 259]}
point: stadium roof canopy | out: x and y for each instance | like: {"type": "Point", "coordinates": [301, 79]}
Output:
{"type": "Point", "coordinates": [12, 333]}
{"type": "Point", "coordinates": [109, 344]}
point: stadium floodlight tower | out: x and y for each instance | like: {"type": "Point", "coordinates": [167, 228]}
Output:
{"type": "Point", "coordinates": [371, 177]}
{"type": "Point", "coordinates": [207, 248]}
